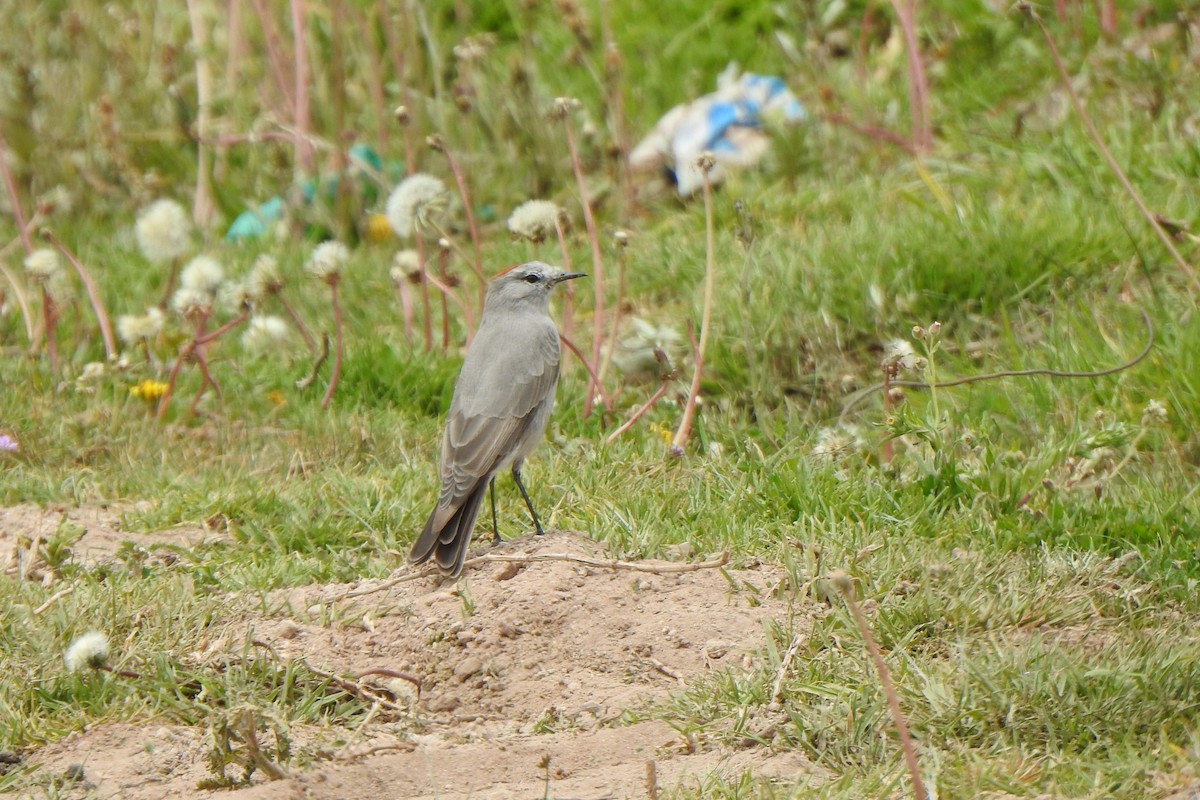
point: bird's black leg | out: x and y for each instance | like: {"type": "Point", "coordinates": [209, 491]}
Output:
{"type": "Point", "coordinates": [537, 524]}
{"type": "Point", "coordinates": [495, 526]}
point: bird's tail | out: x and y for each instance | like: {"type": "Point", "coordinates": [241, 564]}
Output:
{"type": "Point", "coordinates": [448, 545]}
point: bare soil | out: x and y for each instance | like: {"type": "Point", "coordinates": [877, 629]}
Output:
{"type": "Point", "coordinates": [529, 672]}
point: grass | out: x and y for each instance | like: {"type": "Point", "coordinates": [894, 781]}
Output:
{"type": "Point", "coordinates": [1031, 654]}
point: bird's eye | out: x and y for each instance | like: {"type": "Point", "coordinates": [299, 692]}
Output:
{"type": "Point", "coordinates": [533, 278]}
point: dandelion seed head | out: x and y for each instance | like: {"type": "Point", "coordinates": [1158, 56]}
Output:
{"type": "Point", "coordinates": [133, 328]}
{"type": "Point", "coordinates": [415, 203]}
{"type": "Point", "coordinates": [264, 278]}
{"type": "Point", "coordinates": [535, 220]}
{"type": "Point", "coordinates": [162, 231]}
{"type": "Point", "coordinates": [187, 301]}
{"type": "Point", "coordinates": [203, 274]}
{"type": "Point", "coordinates": [43, 266]}
{"type": "Point", "coordinates": [265, 333]}
{"type": "Point", "coordinates": [327, 260]}
{"type": "Point", "coordinates": [235, 296]}
{"type": "Point", "coordinates": [901, 353]}
{"type": "Point", "coordinates": [89, 651]}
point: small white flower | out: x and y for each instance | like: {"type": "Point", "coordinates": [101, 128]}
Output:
{"type": "Point", "coordinates": [835, 443]}
{"type": "Point", "coordinates": [89, 651]}
{"type": "Point", "coordinates": [43, 266]}
{"type": "Point", "coordinates": [93, 370]}
{"type": "Point", "coordinates": [187, 302]}
{"type": "Point", "coordinates": [133, 328]}
{"type": "Point", "coordinates": [162, 231]}
{"type": "Point", "coordinates": [635, 353]}
{"type": "Point", "coordinates": [264, 278]}
{"type": "Point", "coordinates": [327, 259]}
{"type": "Point", "coordinates": [535, 220]}
{"type": "Point", "coordinates": [415, 203]}
{"type": "Point", "coordinates": [901, 353]}
{"type": "Point", "coordinates": [203, 274]}
{"type": "Point", "coordinates": [1155, 412]}
{"type": "Point", "coordinates": [265, 333]}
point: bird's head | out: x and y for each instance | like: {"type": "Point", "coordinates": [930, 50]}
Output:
{"type": "Point", "coordinates": [529, 283]}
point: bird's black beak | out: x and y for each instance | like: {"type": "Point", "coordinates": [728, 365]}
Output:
{"type": "Point", "coordinates": [569, 276]}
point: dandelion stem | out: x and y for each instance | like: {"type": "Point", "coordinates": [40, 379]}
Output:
{"type": "Point", "coordinates": [203, 206]}
{"type": "Point", "coordinates": [106, 332]}
{"type": "Point", "coordinates": [586, 365]}
{"type": "Point", "coordinates": [889, 689]}
{"type": "Point", "coordinates": [301, 118]}
{"type": "Point", "coordinates": [426, 306]}
{"type": "Point", "coordinates": [461, 182]}
{"type": "Point", "coordinates": [1183, 265]}
{"type": "Point", "coordinates": [918, 87]}
{"type": "Point", "coordinates": [443, 259]}
{"type": "Point", "coordinates": [568, 325]}
{"type": "Point", "coordinates": [224, 329]}
{"type": "Point", "coordinates": [18, 292]}
{"type": "Point", "coordinates": [14, 199]}
{"type": "Point", "coordinates": [450, 293]}
{"type": "Point", "coordinates": [170, 288]}
{"type": "Point", "coordinates": [50, 322]}
{"type": "Point", "coordinates": [629, 423]}
{"type": "Point", "coordinates": [336, 375]}
{"type": "Point", "coordinates": [710, 244]}
{"type": "Point", "coordinates": [616, 324]}
{"type": "Point", "coordinates": [597, 269]}
{"type": "Point", "coordinates": [299, 323]}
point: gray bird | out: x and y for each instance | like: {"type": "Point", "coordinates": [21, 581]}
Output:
{"type": "Point", "coordinates": [501, 404]}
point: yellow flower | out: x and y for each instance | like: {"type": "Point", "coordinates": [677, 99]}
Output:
{"type": "Point", "coordinates": [149, 390]}
{"type": "Point", "coordinates": [662, 432]}
{"type": "Point", "coordinates": [276, 398]}
{"type": "Point", "coordinates": [378, 229]}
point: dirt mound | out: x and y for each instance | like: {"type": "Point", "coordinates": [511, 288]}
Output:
{"type": "Point", "coordinates": [94, 533]}
{"type": "Point", "coordinates": [523, 660]}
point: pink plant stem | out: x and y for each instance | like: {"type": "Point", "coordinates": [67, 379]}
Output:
{"type": "Point", "coordinates": [568, 324]}
{"type": "Point", "coordinates": [607, 403]}
{"type": "Point", "coordinates": [616, 108]}
{"type": "Point", "coordinates": [299, 323]}
{"type": "Point", "coordinates": [918, 89]}
{"type": "Point", "coordinates": [106, 332]}
{"type": "Point", "coordinates": [398, 49]}
{"type": "Point", "coordinates": [616, 323]}
{"type": "Point", "coordinates": [629, 423]}
{"type": "Point", "coordinates": [893, 701]}
{"type": "Point", "coordinates": [302, 115]}
{"type": "Point", "coordinates": [873, 132]}
{"type": "Point", "coordinates": [276, 58]}
{"type": "Point", "coordinates": [461, 182]}
{"type": "Point", "coordinates": [597, 268]}
{"type": "Point", "coordinates": [188, 352]}
{"type": "Point", "coordinates": [224, 329]}
{"type": "Point", "coordinates": [165, 400]}
{"type": "Point", "coordinates": [426, 306]}
{"type": "Point", "coordinates": [689, 410]}
{"type": "Point", "coordinates": [203, 205]}
{"type": "Point", "coordinates": [375, 80]}
{"type": "Point", "coordinates": [50, 321]}
{"type": "Point", "coordinates": [14, 198]}
{"type": "Point", "coordinates": [1183, 265]}
{"type": "Point", "coordinates": [406, 304]}
{"type": "Point", "coordinates": [338, 346]}
{"type": "Point", "coordinates": [447, 292]}
{"type": "Point", "coordinates": [22, 301]}
{"type": "Point", "coordinates": [443, 258]}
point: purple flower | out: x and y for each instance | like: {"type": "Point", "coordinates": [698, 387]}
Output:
{"type": "Point", "coordinates": [8, 444]}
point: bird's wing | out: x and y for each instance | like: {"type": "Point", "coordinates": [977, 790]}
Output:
{"type": "Point", "coordinates": [493, 407]}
